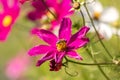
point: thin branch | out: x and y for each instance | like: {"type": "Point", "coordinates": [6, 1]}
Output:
{"type": "Point", "coordinates": [90, 64]}
{"type": "Point", "coordinates": [72, 75]}
{"type": "Point", "coordinates": [83, 17]}
{"type": "Point", "coordinates": [99, 67]}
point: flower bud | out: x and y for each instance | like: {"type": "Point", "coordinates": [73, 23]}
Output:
{"type": "Point", "coordinates": [76, 5]}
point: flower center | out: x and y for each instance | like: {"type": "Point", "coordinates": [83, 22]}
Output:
{"type": "Point", "coordinates": [96, 15]}
{"type": "Point", "coordinates": [7, 21]}
{"type": "Point", "coordinates": [61, 45]}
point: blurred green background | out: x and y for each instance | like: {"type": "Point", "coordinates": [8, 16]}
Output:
{"type": "Point", "coordinates": [21, 40]}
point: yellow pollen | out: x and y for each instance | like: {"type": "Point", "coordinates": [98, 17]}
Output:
{"type": "Point", "coordinates": [96, 15]}
{"type": "Point", "coordinates": [7, 21]}
{"type": "Point", "coordinates": [61, 45]}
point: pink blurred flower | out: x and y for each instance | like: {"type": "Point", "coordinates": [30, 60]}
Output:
{"type": "Point", "coordinates": [60, 9]}
{"type": "Point", "coordinates": [8, 17]}
{"type": "Point", "coordinates": [57, 48]}
{"type": "Point", "coordinates": [17, 66]}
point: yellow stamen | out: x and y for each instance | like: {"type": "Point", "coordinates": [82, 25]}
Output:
{"type": "Point", "coordinates": [61, 45]}
{"type": "Point", "coordinates": [96, 15]}
{"type": "Point", "coordinates": [7, 21]}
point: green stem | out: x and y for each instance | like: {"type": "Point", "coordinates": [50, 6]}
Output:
{"type": "Point", "coordinates": [99, 67]}
{"type": "Point", "coordinates": [82, 17]}
{"type": "Point", "coordinates": [95, 42]}
{"type": "Point", "coordinates": [97, 32]}
{"type": "Point", "coordinates": [90, 64]}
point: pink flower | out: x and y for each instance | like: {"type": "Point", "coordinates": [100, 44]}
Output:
{"type": "Point", "coordinates": [17, 66]}
{"type": "Point", "coordinates": [57, 48]}
{"type": "Point", "coordinates": [60, 9]}
{"type": "Point", "coordinates": [8, 17]}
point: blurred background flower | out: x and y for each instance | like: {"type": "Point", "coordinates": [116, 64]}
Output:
{"type": "Point", "coordinates": [51, 12]}
{"type": "Point", "coordinates": [103, 19]}
{"type": "Point", "coordinates": [8, 15]}
{"type": "Point", "coordinates": [17, 66]}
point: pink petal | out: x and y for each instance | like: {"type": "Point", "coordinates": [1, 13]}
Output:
{"type": "Point", "coordinates": [52, 3]}
{"type": "Point", "coordinates": [5, 4]}
{"type": "Point", "coordinates": [54, 23]}
{"type": "Point", "coordinates": [15, 3]}
{"type": "Point", "coordinates": [4, 31]}
{"type": "Point", "coordinates": [38, 5]}
{"type": "Point", "coordinates": [61, 9]}
{"type": "Point", "coordinates": [41, 49]}
{"type": "Point", "coordinates": [34, 15]}
{"type": "Point", "coordinates": [80, 34]}
{"type": "Point", "coordinates": [64, 10]}
{"type": "Point", "coordinates": [38, 12]}
{"type": "Point", "coordinates": [65, 29]}
{"type": "Point", "coordinates": [78, 43]}
{"type": "Point", "coordinates": [45, 35]}
{"type": "Point", "coordinates": [48, 56]}
{"type": "Point", "coordinates": [59, 56]}
{"type": "Point", "coordinates": [73, 54]}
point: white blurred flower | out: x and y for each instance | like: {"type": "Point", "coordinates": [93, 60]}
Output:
{"type": "Point", "coordinates": [102, 19]}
